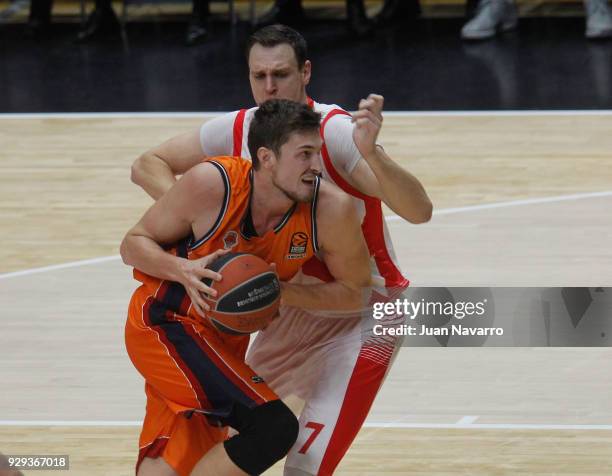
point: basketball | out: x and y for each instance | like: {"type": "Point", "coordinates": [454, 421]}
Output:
{"type": "Point", "coordinates": [248, 296]}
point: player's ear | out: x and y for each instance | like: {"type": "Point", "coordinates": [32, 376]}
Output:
{"type": "Point", "coordinates": [306, 71]}
{"type": "Point", "coordinates": [265, 156]}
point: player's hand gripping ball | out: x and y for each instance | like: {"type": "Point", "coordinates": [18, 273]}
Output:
{"type": "Point", "coordinates": [248, 296]}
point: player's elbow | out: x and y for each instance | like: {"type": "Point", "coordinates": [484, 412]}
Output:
{"type": "Point", "coordinates": [138, 170]}
{"type": "Point", "coordinates": [363, 280]}
{"type": "Point", "coordinates": [358, 290]}
{"type": "Point", "coordinates": [124, 251]}
{"type": "Point", "coordinates": [356, 296]}
{"type": "Point", "coordinates": [416, 213]}
{"type": "Point", "coordinates": [423, 213]}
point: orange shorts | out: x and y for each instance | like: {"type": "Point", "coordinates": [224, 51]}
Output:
{"type": "Point", "coordinates": [193, 377]}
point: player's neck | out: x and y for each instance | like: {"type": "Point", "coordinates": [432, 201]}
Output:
{"type": "Point", "coordinates": [305, 99]}
{"type": "Point", "coordinates": [269, 205]}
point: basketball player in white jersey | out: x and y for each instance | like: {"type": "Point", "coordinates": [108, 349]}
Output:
{"type": "Point", "coordinates": [329, 360]}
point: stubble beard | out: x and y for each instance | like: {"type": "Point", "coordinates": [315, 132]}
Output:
{"type": "Point", "coordinates": [305, 198]}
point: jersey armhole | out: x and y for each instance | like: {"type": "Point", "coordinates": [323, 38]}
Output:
{"type": "Point", "coordinates": [226, 198]}
{"type": "Point", "coordinates": [342, 138]}
{"type": "Point", "coordinates": [238, 132]}
{"type": "Point", "coordinates": [329, 166]}
{"type": "Point", "coordinates": [313, 216]}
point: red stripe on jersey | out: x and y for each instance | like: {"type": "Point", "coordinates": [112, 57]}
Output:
{"type": "Point", "coordinates": [360, 393]}
{"type": "Point", "coordinates": [224, 367]}
{"type": "Point", "coordinates": [374, 234]}
{"type": "Point", "coordinates": [362, 388]}
{"type": "Point", "coordinates": [238, 128]}
{"type": "Point", "coordinates": [372, 225]}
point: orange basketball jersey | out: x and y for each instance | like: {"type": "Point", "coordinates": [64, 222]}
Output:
{"type": "Point", "coordinates": [290, 244]}
{"type": "Point", "coordinates": [191, 369]}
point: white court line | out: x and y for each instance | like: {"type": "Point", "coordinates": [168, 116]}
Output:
{"type": "Point", "coordinates": [209, 114]}
{"type": "Point", "coordinates": [389, 218]}
{"type": "Point", "coordinates": [509, 113]}
{"type": "Point", "coordinates": [467, 420]}
{"type": "Point", "coordinates": [466, 425]}
{"type": "Point", "coordinates": [111, 115]}
{"type": "Point", "coordinates": [513, 203]}
{"type": "Point", "coordinates": [488, 426]}
{"type": "Point", "coordinates": [70, 423]}
{"type": "Point", "coordinates": [72, 264]}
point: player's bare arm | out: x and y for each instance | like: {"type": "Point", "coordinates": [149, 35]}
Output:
{"type": "Point", "coordinates": [191, 205]}
{"type": "Point", "coordinates": [156, 170]}
{"type": "Point", "coordinates": [345, 253]}
{"type": "Point", "coordinates": [379, 175]}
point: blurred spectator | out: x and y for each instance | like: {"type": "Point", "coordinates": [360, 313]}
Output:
{"type": "Point", "coordinates": [493, 16]}
{"type": "Point", "coordinates": [291, 12]}
{"type": "Point", "coordinates": [357, 20]}
{"type": "Point", "coordinates": [287, 12]}
{"type": "Point", "coordinates": [398, 11]}
{"type": "Point", "coordinates": [40, 16]}
{"type": "Point", "coordinates": [103, 21]}
{"type": "Point", "coordinates": [196, 31]}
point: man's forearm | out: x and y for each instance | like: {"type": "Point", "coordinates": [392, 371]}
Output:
{"type": "Point", "coordinates": [147, 256]}
{"type": "Point", "coordinates": [334, 296]}
{"type": "Point", "coordinates": [401, 190]}
{"type": "Point", "coordinates": [153, 175]}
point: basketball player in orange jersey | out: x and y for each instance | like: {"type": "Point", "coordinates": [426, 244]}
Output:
{"type": "Point", "coordinates": [195, 375]}
{"type": "Point", "coordinates": [325, 358]}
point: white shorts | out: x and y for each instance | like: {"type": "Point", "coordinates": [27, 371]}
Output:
{"type": "Point", "coordinates": [336, 367]}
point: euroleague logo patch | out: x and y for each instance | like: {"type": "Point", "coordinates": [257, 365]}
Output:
{"type": "Point", "coordinates": [299, 242]}
{"type": "Point", "coordinates": [230, 240]}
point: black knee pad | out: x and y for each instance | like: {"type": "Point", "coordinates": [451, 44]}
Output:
{"type": "Point", "coordinates": [266, 434]}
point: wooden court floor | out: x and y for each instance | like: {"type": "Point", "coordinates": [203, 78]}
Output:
{"type": "Point", "coordinates": [65, 195]}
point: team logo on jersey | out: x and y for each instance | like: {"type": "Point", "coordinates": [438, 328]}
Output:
{"type": "Point", "coordinates": [297, 249]}
{"type": "Point", "coordinates": [230, 240]}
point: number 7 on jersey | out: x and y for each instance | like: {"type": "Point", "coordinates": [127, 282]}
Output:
{"type": "Point", "coordinates": [316, 427]}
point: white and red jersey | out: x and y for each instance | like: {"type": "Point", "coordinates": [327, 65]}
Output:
{"type": "Point", "coordinates": [228, 134]}
{"type": "Point", "coordinates": [336, 365]}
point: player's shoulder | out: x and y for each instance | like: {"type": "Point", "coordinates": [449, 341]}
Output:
{"type": "Point", "coordinates": [327, 109]}
{"type": "Point", "coordinates": [226, 120]}
{"type": "Point", "coordinates": [249, 114]}
{"type": "Point", "coordinates": [221, 120]}
{"type": "Point", "coordinates": [205, 173]}
{"type": "Point", "coordinates": [335, 120]}
{"type": "Point", "coordinates": [324, 108]}
{"type": "Point", "coordinates": [331, 200]}
{"type": "Point", "coordinates": [233, 169]}
{"type": "Point", "coordinates": [218, 173]}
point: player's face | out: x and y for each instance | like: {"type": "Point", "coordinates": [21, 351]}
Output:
{"type": "Point", "coordinates": [297, 166]}
{"type": "Point", "coordinates": [274, 74]}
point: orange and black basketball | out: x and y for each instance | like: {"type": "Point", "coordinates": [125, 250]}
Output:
{"type": "Point", "coordinates": [248, 296]}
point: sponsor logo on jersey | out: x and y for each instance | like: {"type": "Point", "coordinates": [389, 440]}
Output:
{"type": "Point", "coordinates": [230, 240]}
{"type": "Point", "coordinates": [257, 379]}
{"type": "Point", "coordinates": [297, 248]}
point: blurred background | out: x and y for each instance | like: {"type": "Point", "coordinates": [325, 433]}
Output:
{"type": "Point", "coordinates": [151, 55]}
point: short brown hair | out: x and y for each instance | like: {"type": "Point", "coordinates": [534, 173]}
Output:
{"type": "Point", "coordinates": [273, 35]}
{"type": "Point", "coordinates": [274, 122]}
